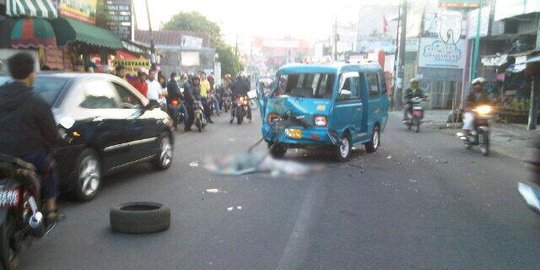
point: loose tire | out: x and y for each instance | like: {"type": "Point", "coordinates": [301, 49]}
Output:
{"type": "Point", "coordinates": [343, 151]}
{"type": "Point", "coordinates": [87, 175]}
{"type": "Point", "coordinates": [8, 256]}
{"type": "Point", "coordinates": [164, 156]}
{"type": "Point", "coordinates": [140, 217]}
{"type": "Point", "coordinates": [373, 145]}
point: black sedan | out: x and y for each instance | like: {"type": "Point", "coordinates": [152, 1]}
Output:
{"type": "Point", "coordinates": [106, 125]}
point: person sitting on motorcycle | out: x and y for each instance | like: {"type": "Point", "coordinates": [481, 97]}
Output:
{"type": "Point", "coordinates": [410, 93]}
{"type": "Point", "coordinates": [477, 96]}
{"type": "Point", "coordinates": [173, 93]}
{"type": "Point", "coordinates": [29, 128]}
{"type": "Point", "coordinates": [239, 89]}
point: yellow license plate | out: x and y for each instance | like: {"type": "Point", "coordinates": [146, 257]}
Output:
{"type": "Point", "coordinates": [294, 133]}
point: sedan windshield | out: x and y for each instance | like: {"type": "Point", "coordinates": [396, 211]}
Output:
{"type": "Point", "coordinates": [49, 88]}
{"type": "Point", "coordinates": [306, 85]}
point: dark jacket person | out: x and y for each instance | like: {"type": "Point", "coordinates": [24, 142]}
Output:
{"type": "Point", "coordinates": [28, 126]}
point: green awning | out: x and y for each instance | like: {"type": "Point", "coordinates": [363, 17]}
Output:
{"type": "Point", "coordinates": [68, 30]}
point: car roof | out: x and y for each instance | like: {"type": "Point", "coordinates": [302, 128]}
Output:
{"type": "Point", "coordinates": [328, 68]}
{"type": "Point", "coordinates": [72, 75]}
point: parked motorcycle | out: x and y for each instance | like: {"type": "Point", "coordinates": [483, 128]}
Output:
{"type": "Point", "coordinates": [480, 135]}
{"type": "Point", "coordinates": [240, 109]}
{"type": "Point", "coordinates": [531, 194]}
{"type": "Point", "coordinates": [417, 114]}
{"type": "Point", "coordinates": [199, 119]}
{"type": "Point", "coordinates": [21, 215]}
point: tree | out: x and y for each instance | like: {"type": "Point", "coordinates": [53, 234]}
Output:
{"type": "Point", "coordinates": [196, 22]}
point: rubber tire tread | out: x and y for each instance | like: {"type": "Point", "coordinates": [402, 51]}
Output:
{"type": "Point", "coordinates": [139, 222]}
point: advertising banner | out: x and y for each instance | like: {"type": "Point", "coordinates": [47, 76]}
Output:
{"type": "Point", "coordinates": [434, 53]}
{"type": "Point", "coordinates": [82, 10]}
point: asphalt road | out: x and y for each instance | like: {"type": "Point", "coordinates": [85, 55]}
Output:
{"type": "Point", "coordinates": [421, 202]}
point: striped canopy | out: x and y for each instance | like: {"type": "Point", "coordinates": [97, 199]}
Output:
{"type": "Point", "coordinates": [31, 8]}
{"type": "Point", "coordinates": [32, 33]}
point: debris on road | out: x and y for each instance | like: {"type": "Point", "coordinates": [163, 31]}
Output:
{"type": "Point", "coordinates": [239, 207]}
{"type": "Point", "coordinates": [194, 164]}
{"type": "Point", "coordinates": [215, 191]}
{"type": "Point", "coordinates": [230, 209]}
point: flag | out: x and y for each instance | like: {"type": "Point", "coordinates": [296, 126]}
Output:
{"type": "Point", "coordinates": [385, 25]}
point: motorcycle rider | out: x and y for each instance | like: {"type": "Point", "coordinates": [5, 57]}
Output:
{"type": "Point", "coordinates": [239, 89]}
{"type": "Point", "coordinates": [410, 93]}
{"type": "Point", "coordinates": [477, 96]}
{"type": "Point", "coordinates": [29, 128]}
{"type": "Point", "coordinates": [173, 92]}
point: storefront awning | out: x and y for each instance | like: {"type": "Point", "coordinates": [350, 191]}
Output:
{"type": "Point", "coordinates": [32, 33]}
{"type": "Point", "coordinates": [31, 8]}
{"type": "Point", "coordinates": [68, 30]}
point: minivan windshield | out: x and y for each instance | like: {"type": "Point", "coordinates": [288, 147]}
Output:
{"type": "Point", "coordinates": [306, 85]}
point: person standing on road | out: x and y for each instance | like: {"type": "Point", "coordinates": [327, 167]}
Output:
{"type": "Point", "coordinates": [28, 127]}
{"type": "Point", "coordinates": [140, 83]}
{"type": "Point", "coordinates": [205, 91]}
{"type": "Point", "coordinates": [154, 88]}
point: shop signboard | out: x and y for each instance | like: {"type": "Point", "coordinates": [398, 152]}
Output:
{"type": "Point", "coordinates": [120, 18]}
{"type": "Point", "coordinates": [133, 65]}
{"type": "Point", "coordinates": [459, 3]}
{"type": "Point", "coordinates": [82, 10]}
{"type": "Point", "coordinates": [435, 53]}
{"type": "Point", "coordinates": [473, 22]}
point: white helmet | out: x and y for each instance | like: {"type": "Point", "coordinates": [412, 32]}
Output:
{"type": "Point", "coordinates": [478, 80]}
{"type": "Point", "coordinates": [414, 80]}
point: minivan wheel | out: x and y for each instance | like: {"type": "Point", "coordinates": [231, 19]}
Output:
{"type": "Point", "coordinates": [277, 150]}
{"type": "Point", "coordinates": [164, 155]}
{"type": "Point", "coordinates": [375, 142]}
{"type": "Point", "coordinates": [343, 150]}
{"type": "Point", "coordinates": [87, 175]}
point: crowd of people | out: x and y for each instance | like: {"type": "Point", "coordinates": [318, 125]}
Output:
{"type": "Point", "coordinates": [187, 89]}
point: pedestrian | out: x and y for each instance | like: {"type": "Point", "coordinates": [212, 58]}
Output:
{"type": "Point", "coordinates": [205, 99]}
{"type": "Point", "coordinates": [154, 88]}
{"type": "Point", "coordinates": [140, 82]}
{"type": "Point", "coordinates": [121, 71]}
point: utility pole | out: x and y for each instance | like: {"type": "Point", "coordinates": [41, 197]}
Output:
{"type": "Point", "coordinates": [401, 67]}
{"type": "Point", "coordinates": [474, 72]}
{"type": "Point", "coordinates": [152, 45]}
{"type": "Point", "coordinates": [336, 38]}
{"type": "Point", "coordinates": [396, 59]}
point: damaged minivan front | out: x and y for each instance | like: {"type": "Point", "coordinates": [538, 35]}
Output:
{"type": "Point", "coordinates": [324, 106]}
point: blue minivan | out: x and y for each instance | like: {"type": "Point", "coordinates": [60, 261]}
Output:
{"type": "Point", "coordinates": [339, 106]}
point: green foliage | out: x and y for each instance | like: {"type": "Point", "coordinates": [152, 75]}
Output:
{"type": "Point", "coordinates": [196, 22]}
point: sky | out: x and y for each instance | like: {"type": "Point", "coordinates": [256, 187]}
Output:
{"type": "Point", "coordinates": [310, 20]}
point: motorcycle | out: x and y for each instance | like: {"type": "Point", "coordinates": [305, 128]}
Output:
{"type": "Point", "coordinates": [417, 114]}
{"type": "Point", "coordinates": [531, 194]}
{"type": "Point", "coordinates": [240, 109]}
{"type": "Point", "coordinates": [227, 102]}
{"type": "Point", "coordinates": [480, 135]}
{"type": "Point", "coordinates": [21, 215]}
{"type": "Point", "coordinates": [178, 111]}
{"type": "Point", "coordinates": [199, 119]}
